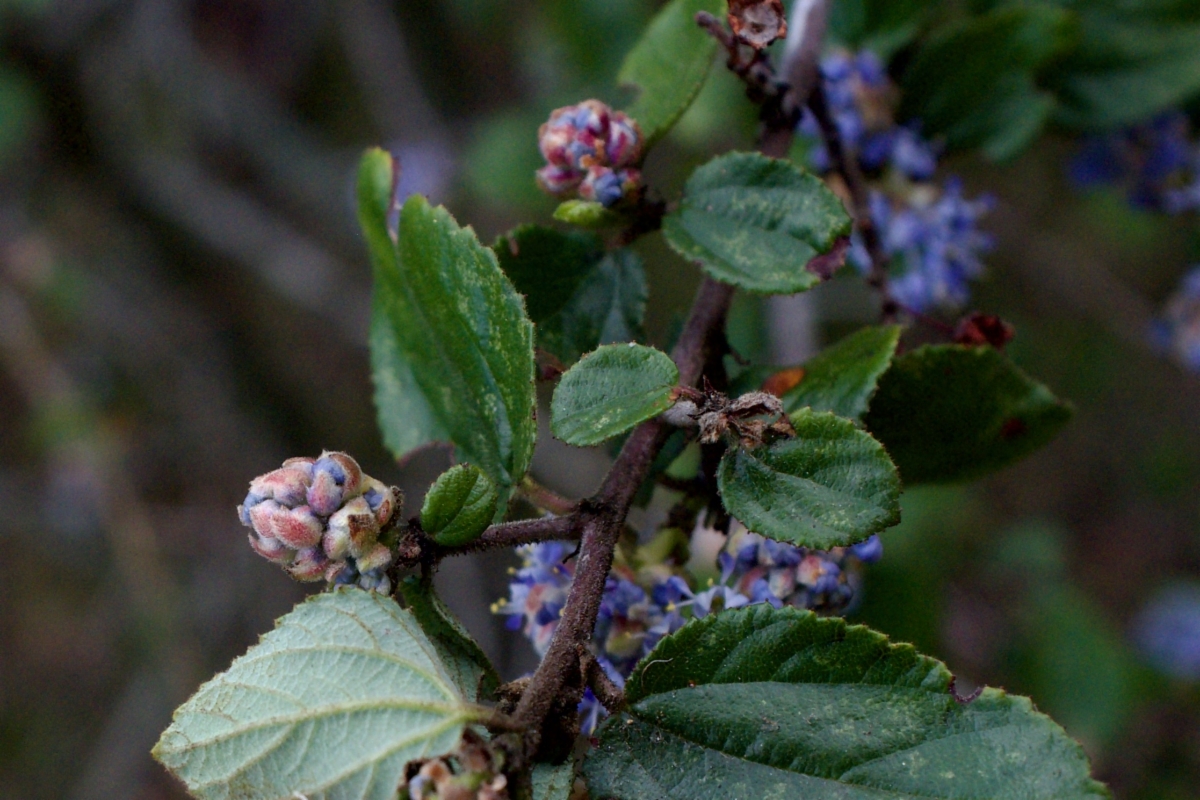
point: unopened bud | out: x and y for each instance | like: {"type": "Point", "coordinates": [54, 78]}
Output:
{"type": "Point", "coordinates": [322, 518]}
{"type": "Point", "coordinates": [309, 565]}
{"type": "Point", "coordinates": [590, 149]}
{"type": "Point", "coordinates": [609, 187]}
{"type": "Point", "coordinates": [336, 477]}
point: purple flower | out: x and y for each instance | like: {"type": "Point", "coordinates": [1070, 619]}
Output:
{"type": "Point", "coordinates": [1177, 330]}
{"type": "Point", "coordinates": [868, 551]}
{"type": "Point", "coordinates": [1167, 631]}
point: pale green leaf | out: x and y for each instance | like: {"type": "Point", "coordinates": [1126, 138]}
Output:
{"type": "Point", "coordinates": [770, 703]}
{"type": "Point", "coordinates": [610, 391]}
{"type": "Point", "coordinates": [759, 223]}
{"type": "Point", "coordinates": [451, 346]}
{"type": "Point", "coordinates": [331, 705]}
{"type": "Point", "coordinates": [587, 214]}
{"type": "Point", "coordinates": [830, 486]}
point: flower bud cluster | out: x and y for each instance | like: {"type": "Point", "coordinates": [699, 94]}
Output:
{"type": "Point", "coordinates": [470, 773]}
{"type": "Point", "coordinates": [929, 232]}
{"type": "Point", "coordinates": [641, 606]}
{"type": "Point", "coordinates": [1156, 164]}
{"type": "Point", "coordinates": [590, 151]}
{"type": "Point", "coordinates": [322, 518]}
{"type": "Point", "coordinates": [1178, 329]}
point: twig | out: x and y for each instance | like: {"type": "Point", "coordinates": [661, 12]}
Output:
{"type": "Point", "coordinates": [508, 535]}
{"type": "Point", "coordinates": [845, 163]}
{"type": "Point", "coordinates": [546, 499]}
{"type": "Point", "coordinates": [606, 691]}
{"type": "Point", "coordinates": [560, 674]}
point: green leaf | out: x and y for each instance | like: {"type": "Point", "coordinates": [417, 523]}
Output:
{"type": "Point", "coordinates": [843, 378]}
{"type": "Point", "coordinates": [668, 65]}
{"type": "Point", "coordinates": [464, 658]}
{"type": "Point", "coordinates": [1128, 68]}
{"type": "Point", "coordinates": [757, 223]}
{"type": "Point", "coordinates": [578, 296]}
{"type": "Point", "coordinates": [331, 704]}
{"type": "Point", "coordinates": [952, 413]}
{"type": "Point", "coordinates": [553, 782]}
{"type": "Point", "coordinates": [761, 702]}
{"type": "Point", "coordinates": [830, 486]}
{"type": "Point", "coordinates": [587, 214]}
{"type": "Point", "coordinates": [459, 506]}
{"type": "Point", "coordinates": [881, 26]}
{"type": "Point", "coordinates": [974, 80]}
{"type": "Point", "coordinates": [451, 346]}
{"type": "Point", "coordinates": [610, 391]}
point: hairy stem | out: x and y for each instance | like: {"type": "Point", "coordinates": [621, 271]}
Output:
{"type": "Point", "coordinates": [512, 534]}
{"type": "Point", "coordinates": [603, 516]}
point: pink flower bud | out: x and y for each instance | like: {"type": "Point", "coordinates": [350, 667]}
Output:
{"type": "Point", "coordinates": [381, 499]}
{"type": "Point", "coordinates": [378, 557]}
{"type": "Point", "coordinates": [336, 478]}
{"type": "Point", "coordinates": [624, 146]}
{"type": "Point", "coordinates": [295, 527]}
{"type": "Point", "coordinates": [287, 485]}
{"type": "Point", "coordinates": [272, 549]}
{"type": "Point", "coordinates": [309, 565]}
{"type": "Point", "coordinates": [558, 180]}
{"type": "Point", "coordinates": [353, 527]}
{"type": "Point", "coordinates": [553, 142]}
{"type": "Point", "coordinates": [609, 187]}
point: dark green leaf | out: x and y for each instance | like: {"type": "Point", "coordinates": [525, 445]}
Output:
{"type": "Point", "coordinates": [331, 704]}
{"type": "Point", "coordinates": [757, 222]}
{"type": "Point", "coordinates": [586, 214]}
{"type": "Point", "coordinates": [881, 26]}
{"type": "Point", "coordinates": [463, 657]}
{"type": "Point", "coordinates": [459, 506]}
{"type": "Point", "coordinates": [974, 81]}
{"type": "Point", "coordinates": [952, 413]}
{"type": "Point", "coordinates": [1128, 67]}
{"type": "Point", "coordinates": [577, 296]}
{"type": "Point", "coordinates": [668, 65]}
{"type": "Point", "coordinates": [832, 485]}
{"type": "Point", "coordinates": [610, 391]}
{"type": "Point", "coordinates": [843, 378]}
{"type": "Point", "coordinates": [451, 346]}
{"type": "Point", "coordinates": [761, 702]}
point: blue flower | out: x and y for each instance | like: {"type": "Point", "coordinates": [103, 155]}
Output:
{"type": "Point", "coordinates": [1177, 330]}
{"type": "Point", "coordinates": [1156, 164]}
{"type": "Point", "coordinates": [933, 242]}
{"type": "Point", "coordinates": [1168, 631]}
{"type": "Point", "coordinates": [869, 551]}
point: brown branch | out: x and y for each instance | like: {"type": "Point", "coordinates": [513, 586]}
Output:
{"type": "Point", "coordinates": [560, 675]}
{"type": "Point", "coordinates": [547, 499]}
{"type": "Point", "coordinates": [845, 163]}
{"type": "Point", "coordinates": [509, 534]}
{"type": "Point", "coordinates": [606, 691]}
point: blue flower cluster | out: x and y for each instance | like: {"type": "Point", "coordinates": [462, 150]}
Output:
{"type": "Point", "coordinates": [640, 607]}
{"type": "Point", "coordinates": [1157, 164]}
{"type": "Point", "coordinates": [930, 233]}
{"type": "Point", "coordinates": [1177, 331]}
{"type": "Point", "coordinates": [1168, 632]}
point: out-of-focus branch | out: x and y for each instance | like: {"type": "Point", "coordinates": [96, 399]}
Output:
{"type": "Point", "coordinates": [845, 163]}
{"type": "Point", "coordinates": [379, 57]}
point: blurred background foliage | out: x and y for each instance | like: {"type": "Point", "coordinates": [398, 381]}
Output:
{"type": "Point", "coordinates": [183, 304]}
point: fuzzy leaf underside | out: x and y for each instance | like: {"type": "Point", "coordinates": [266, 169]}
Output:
{"type": "Point", "coordinates": [331, 704]}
